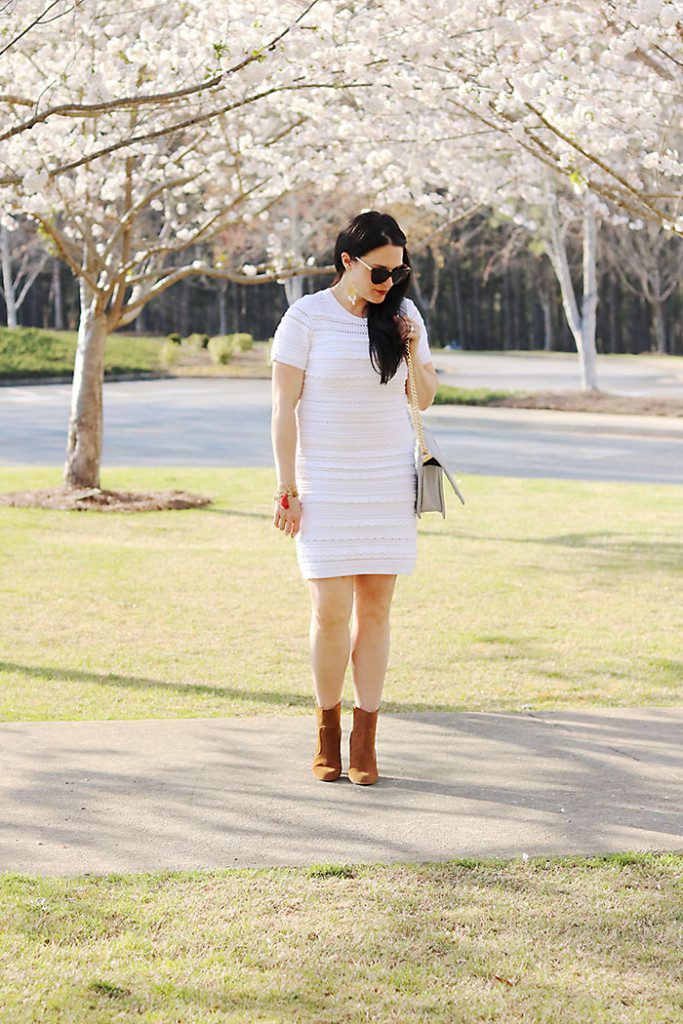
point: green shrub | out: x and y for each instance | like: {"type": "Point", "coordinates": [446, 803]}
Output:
{"type": "Point", "coordinates": [197, 341]}
{"type": "Point", "coordinates": [169, 354]}
{"type": "Point", "coordinates": [221, 348]}
{"type": "Point", "coordinates": [243, 342]}
{"type": "Point", "coordinates": [175, 338]}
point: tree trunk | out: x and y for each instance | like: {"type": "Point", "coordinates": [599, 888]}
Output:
{"type": "Point", "coordinates": [84, 445]}
{"type": "Point", "coordinates": [582, 325]}
{"type": "Point", "coordinates": [222, 315]}
{"type": "Point", "coordinates": [506, 310]}
{"type": "Point", "coordinates": [457, 297]}
{"type": "Point", "coordinates": [294, 289]}
{"type": "Point", "coordinates": [57, 300]}
{"type": "Point", "coordinates": [475, 296]}
{"type": "Point", "coordinates": [139, 325]}
{"type": "Point", "coordinates": [551, 324]}
{"type": "Point", "coordinates": [589, 305]}
{"type": "Point", "coordinates": [234, 288]}
{"type": "Point", "coordinates": [527, 309]}
{"type": "Point", "coordinates": [544, 301]}
{"type": "Point", "coordinates": [243, 306]}
{"type": "Point", "coordinates": [7, 278]}
{"type": "Point", "coordinates": [659, 326]}
{"type": "Point", "coordinates": [612, 313]}
{"type": "Point", "coordinates": [183, 327]}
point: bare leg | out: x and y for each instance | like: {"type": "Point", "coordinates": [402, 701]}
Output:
{"type": "Point", "coordinates": [331, 603]}
{"type": "Point", "coordinates": [370, 636]}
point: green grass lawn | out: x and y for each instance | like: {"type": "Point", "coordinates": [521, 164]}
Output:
{"type": "Point", "coordinates": [546, 941]}
{"type": "Point", "coordinates": [537, 592]}
{"type": "Point", "coordinates": [32, 352]}
{"type": "Point", "coordinates": [449, 395]}
{"type": "Point", "coordinates": [549, 593]}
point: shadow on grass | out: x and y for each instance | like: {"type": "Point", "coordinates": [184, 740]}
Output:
{"type": "Point", "coordinates": [598, 540]}
{"type": "Point", "coordinates": [276, 698]}
{"type": "Point", "coordinates": [672, 668]}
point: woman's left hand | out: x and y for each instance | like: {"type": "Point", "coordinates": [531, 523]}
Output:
{"type": "Point", "coordinates": [409, 331]}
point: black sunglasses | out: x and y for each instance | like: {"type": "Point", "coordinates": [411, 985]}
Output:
{"type": "Point", "coordinates": [378, 275]}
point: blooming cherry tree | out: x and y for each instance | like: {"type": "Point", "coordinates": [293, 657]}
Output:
{"type": "Point", "coordinates": [158, 134]}
{"type": "Point", "coordinates": [132, 135]}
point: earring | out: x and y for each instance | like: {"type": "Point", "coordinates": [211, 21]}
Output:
{"type": "Point", "coordinates": [352, 295]}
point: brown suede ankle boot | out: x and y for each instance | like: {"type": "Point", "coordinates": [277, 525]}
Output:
{"type": "Point", "coordinates": [362, 758]}
{"type": "Point", "coordinates": [327, 759]}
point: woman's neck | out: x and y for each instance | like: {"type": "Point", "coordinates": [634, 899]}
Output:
{"type": "Point", "coordinates": [342, 297]}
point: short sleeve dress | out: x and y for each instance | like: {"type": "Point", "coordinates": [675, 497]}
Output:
{"type": "Point", "coordinates": [355, 441]}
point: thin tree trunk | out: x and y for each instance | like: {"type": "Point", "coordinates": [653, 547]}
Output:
{"type": "Point", "coordinates": [545, 301]}
{"type": "Point", "coordinates": [492, 324]}
{"type": "Point", "coordinates": [7, 278]}
{"type": "Point", "coordinates": [233, 306]}
{"type": "Point", "coordinates": [659, 326]}
{"type": "Point", "coordinates": [84, 444]}
{"type": "Point", "coordinates": [514, 285]}
{"type": "Point", "coordinates": [183, 327]}
{"type": "Point", "coordinates": [294, 289]}
{"type": "Point", "coordinates": [506, 311]}
{"type": "Point", "coordinates": [589, 305]}
{"type": "Point", "coordinates": [619, 320]}
{"type": "Point", "coordinates": [475, 296]}
{"type": "Point", "coordinates": [457, 296]}
{"type": "Point", "coordinates": [527, 310]}
{"type": "Point", "coordinates": [222, 313]}
{"type": "Point", "coordinates": [57, 297]}
{"type": "Point", "coordinates": [612, 313]}
{"type": "Point", "coordinates": [582, 325]}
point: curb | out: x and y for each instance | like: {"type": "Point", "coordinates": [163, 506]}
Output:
{"type": "Point", "coordinates": [632, 424]}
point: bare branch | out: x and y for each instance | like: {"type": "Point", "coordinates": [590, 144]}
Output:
{"type": "Point", "coordinates": [39, 21]}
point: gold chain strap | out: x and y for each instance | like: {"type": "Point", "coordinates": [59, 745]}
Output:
{"type": "Point", "coordinates": [415, 409]}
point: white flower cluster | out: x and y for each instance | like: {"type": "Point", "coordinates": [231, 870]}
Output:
{"type": "Point", "coordinates": [183, 120]}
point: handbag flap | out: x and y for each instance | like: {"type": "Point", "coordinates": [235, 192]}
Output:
{"type": "Point", "coordinates": [431, 443]}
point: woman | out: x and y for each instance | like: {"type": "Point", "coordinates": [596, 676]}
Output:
{"type": "Point", "coordinates": [343, 444]}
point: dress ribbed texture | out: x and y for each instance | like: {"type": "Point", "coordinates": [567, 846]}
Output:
{"type": "Point", "coordinates": [354, 454]}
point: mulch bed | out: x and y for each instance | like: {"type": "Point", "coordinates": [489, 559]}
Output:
{"type": "Point", "coordinates": [600, 401]}
{"type": "Point", "coordinates": [96, 499]}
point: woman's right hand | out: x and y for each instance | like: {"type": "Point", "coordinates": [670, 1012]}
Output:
{"type": "Point", "coordinates": [288, 519]}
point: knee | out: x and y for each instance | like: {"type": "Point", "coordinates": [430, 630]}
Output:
{"type": "Point", "coordinates": [331, 616]}
{"type": "Point", "coordinates": [373, 613]}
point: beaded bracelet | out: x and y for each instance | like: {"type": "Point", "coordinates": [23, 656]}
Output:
{"type": "Point", "coordinates": [284, 493]}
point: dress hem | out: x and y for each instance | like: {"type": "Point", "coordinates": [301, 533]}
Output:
{"type": "Point", "coordinates": [353, 568]}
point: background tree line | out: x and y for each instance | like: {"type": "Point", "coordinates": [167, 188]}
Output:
{"type": "Point", "coordinates": [482, 288]}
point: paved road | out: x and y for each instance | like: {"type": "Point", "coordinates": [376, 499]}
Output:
{"type": "Point", "coordinates": [227, 423]}
{"type": "Point", "coordinates": [661, 376]}
{"type": "Point", "coordinates": [214, 793]}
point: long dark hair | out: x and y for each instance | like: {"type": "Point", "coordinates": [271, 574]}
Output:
{"type": "Point", "coordinates": [364, 232]}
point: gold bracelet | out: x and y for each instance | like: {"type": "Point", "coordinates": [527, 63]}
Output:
{"type": "Point", "coordinates": [289, 489]}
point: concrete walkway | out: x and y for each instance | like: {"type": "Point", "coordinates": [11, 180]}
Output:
{"type": "Point", "coordinates": [212, 793]}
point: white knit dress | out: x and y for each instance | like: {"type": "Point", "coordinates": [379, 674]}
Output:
{"type": "Point", "coordinates": [355, 440]}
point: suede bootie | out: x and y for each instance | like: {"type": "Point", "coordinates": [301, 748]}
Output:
{"type": "Point", "coordinates": [327, 759]}
{"type": "Point", "coordinates": [362, 757]}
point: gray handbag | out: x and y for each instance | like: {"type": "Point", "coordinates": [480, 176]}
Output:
{"type": "Point", "coordinates": [429, 462]}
